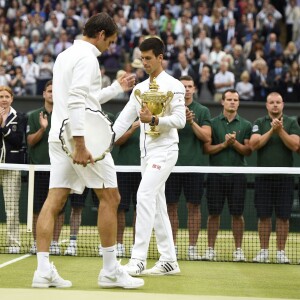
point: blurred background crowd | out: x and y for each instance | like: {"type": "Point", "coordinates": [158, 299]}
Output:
{"type": "Point", "coordinates": [251, 45]}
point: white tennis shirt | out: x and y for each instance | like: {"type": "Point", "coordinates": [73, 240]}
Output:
{"type": "Point", "coordinates": [77, 85]}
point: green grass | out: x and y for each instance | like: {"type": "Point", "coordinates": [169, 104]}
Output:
{"type": "Point", "coordinates": [196, 278]}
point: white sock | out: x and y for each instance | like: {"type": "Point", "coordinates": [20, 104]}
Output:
{"type": "Point", "coordinates": [109, 258]}
{"type": "Point", "coordinates": [43, 262]}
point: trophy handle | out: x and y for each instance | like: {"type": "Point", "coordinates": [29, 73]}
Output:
{"type": "Point", "coordinates": [137, 94]}
{"type": "Point", "coordinates": [169, 98]}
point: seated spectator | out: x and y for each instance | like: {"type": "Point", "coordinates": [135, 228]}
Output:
{"type": "Point", "coordinates": [205, 85]}
{"type": "Point", "coordinates": [31, 71]}
{"type": "Point", "coordinates": [53, 27]}
{"type": "Point", "coordinates": [229, 32]}
{"type": "Point", "coordinates": [244, 87]}
{"type": "Point", "coordinates": [272, 49]}
{"type": "Point", "coordinates": [223, 80]}
{"type": "Point", "coordinates": [183, 67]}
{"type": "Point", "coordinates": [216, 55]}
{"type": "Point", "coordinates": [10, 67]}
{"type": "Point", "coordinates": [239, 62]}
{"type": "Point", "coordinates": [266, 10]}
{"type": "Point", "coordinates": [290, 53]}
{"type": "Point", "coordinates": [276, 76]}
{"type": "Point", "coordinates": [171, 51]}
{"type": "Point", "coordinates": [18, 82]}
{"type": "Point", "coordinates": [203, 43]}
{"type": "Point", "coordinates": [22, 57]}
{"type": "Point", "coordinates": [46, 73]}
{"type": "Point", "coordinates": [46, 46]}
{"type": "Point", "coordinates": [270, 25]}
{"type": "Point", "coordinates": [111, 58]}
{"type": "Point", "coordinates": [199, 25]}
{"type": "Point", "coordinates": [5, 78]}
{"type": "Point", "coordinates": [290, 88]}
{"type": "Point", "coordinates": [63, 43]}
{"type": "Point", "coordinates": [259, 79]}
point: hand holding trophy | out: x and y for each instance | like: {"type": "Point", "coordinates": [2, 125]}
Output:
{"type": "Point", "coordinates": [156, 102]}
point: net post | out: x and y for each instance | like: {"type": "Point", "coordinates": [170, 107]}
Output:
{"type": "Point", "coordinates": [30, 198]}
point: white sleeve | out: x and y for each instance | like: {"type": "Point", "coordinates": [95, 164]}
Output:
{"type": "Point", "coordinates": [78, 92]}
{"type": "Point", "coordinates": [110, 92]}
{"type": "Point", "coordinates": [177, 118]}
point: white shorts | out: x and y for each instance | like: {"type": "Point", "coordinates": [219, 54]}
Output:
{"type": "Point", "coordinates": [65, 174]}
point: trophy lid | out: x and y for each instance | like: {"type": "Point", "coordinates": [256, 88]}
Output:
{"type": "Point", "coordinates": [153, 94]}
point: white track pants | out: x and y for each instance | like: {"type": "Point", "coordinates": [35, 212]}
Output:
{"type": "Point", "coordinates": [151, 207]}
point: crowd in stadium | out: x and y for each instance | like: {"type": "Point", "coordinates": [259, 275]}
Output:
{"type": "Point", "coordinates": [250, 45]}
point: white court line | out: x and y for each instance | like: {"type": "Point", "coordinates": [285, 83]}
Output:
{"type": "Point", "coordinates": [23, 257]}
{"type": "Point", "coordinates": [14, 260]}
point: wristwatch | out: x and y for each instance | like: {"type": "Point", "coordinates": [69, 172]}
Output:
{"type": "Point", "coordinates": [152, 123]}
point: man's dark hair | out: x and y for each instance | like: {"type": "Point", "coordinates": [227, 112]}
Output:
{"type": "Point", "coordinates": [49, 82]}
{"type": "Point", "coordinates": [187, 77]}
{"type": "Point", "coordinates": [99, 22]}
{"type": "Point", "coordinates": [229, 91]}
{"type": "Point", "coordinates": [153, 43]}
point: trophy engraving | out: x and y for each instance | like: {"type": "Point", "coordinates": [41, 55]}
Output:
{"type": "Point", "coordinates": [156, 102]}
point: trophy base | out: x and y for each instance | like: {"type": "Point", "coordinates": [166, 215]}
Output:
{"type": "Point", "coordinates": [152, 133]}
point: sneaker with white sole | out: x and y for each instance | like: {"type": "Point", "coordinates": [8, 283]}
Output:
{"type": "Point", "coordinates": [120, 278]}
{"type": "Point", "coordinates": [52, 279]}
{"type": "Point", "coordinates": [14, 249]}
{"type": "Point", "coordinates": [71, 250]}
{"type": "Point", "coordinates": [238, 255]}
{"type": "Point", "coordinates": [192, 253]}
{"type": "Point", "coordinates": [163, 268]}
{"type": "Point", "coordinates": [262, 256]}
{"type": "Point", "coordinates": [282, 258]}
{"type": "Point", "coordinates": [135, 267]}
{"type": "Point", "coordinates": [120, 250]}
{"type": "Point", "coordinates": [33, 248]}
{"type": "Point", "coordinates": [210, 255]}
{"type": "Point", "coordinates": [54, 248]}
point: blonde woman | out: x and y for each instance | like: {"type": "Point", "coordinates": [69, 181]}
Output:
{"type": "Point", "coordinates": [245, 88]}
{"type": "Point", "coordinates": [12, 128]}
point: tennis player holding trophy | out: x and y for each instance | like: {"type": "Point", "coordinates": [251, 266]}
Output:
{"type": "Point", "coordinates": [159, 103]}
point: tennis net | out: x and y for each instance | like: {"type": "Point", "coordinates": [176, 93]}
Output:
{"type": "Point", "coordinates": [240, 186]}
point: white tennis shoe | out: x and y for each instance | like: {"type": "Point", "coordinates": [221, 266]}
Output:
{"type": "Point", "coordinates": [282, 258]}
{"type": "Point", "coordinates": [52, 279]}
{"type": "Point", "coordinates": [33, 248]}
{"type": "Point", "coordinates": [163, 268]}
{"type": "Point", "coordinates": [193, 253]}
{"type": "Point", "coordinates": [71, 250]}
{"type": "Point", "coordinates": [54, 248]}
{"type": "Point", "coordinates": [262, 256]}
{"type": "Point", "coordinates": [210, 255]}
{"type": "Point", "coordinates": [120, 278]}
{"type": "Point", "coordinates": [238, 255]}
{"type": "Point", "coordinates": [14, 249]}
{"type": "Point", "coordinates": [135, 267]}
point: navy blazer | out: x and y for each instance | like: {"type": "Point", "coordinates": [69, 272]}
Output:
{"type": "Point", "coordinates": [12, 138]}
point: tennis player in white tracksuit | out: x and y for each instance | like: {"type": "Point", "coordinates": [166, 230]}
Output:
{"type": "Point", "coordinates": [158, 157]}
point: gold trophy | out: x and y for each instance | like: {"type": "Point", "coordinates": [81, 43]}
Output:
{"type": "Point", "coordinates": [156, 102]}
